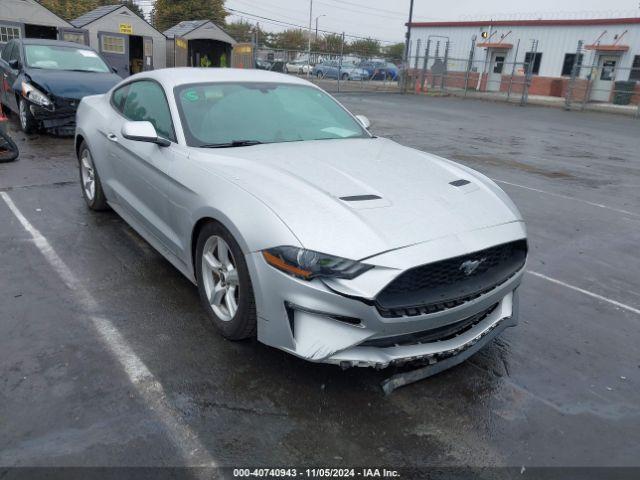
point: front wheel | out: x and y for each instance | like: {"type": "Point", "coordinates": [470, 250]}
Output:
{"type": "Point", "coordinates": [345, 76]}
{"type": "Point", "coordinates": [224, 283]}
{"type": "Point", "coordinates": [90, 181]}
{"type": "Point", "coordinates": [28, 123]}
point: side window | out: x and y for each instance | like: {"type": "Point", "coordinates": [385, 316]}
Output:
{"type": "Point", "coordinates": [145, 101]}
{"type": "Point", "coordinates": [15, 53]}
{"type": "Point", "coordinates": [119, 96]}
{"type": "Point", "coordinates": [6, 51]}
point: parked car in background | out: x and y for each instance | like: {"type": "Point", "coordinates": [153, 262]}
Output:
{"type": "Point", "coordinates": [277, 66]}
{"type": "Point", "coordinates": [299, 67]}
{"type": "Point", "coordinates": [44, 81]}
{"type": "Point", "coordinates": [263, 64]}
{"type": "Point", "coordinates": [333, 69]}
{"type": "Point", "coordinates": [289, 231]}
{"type": "Point", "coordinates": [380, 70]}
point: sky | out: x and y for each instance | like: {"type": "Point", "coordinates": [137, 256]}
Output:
{"type": "Point", "coordinates": [385, 19]}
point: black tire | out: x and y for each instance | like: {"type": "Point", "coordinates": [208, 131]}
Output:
{"type": "Point", "coordinates": [99, 202]}
{"type": "Point", "coordinates": [243, 325]}
{"type": "Point", "coordinates": [345, 76]}
{"type": "Point", "coordinates": [28, 123]}
{"type": "Point", "coordinates": [319, 74]}
{"type": "Point", "coordinates": [8, 149]}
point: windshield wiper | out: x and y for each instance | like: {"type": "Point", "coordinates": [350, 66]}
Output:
{"type": "Point", "coordinates": [234, 143]}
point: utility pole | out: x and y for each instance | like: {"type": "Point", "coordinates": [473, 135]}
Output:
{"type": "Point", "coordinates": [318, 18]}
{"type": "Point", "coordinates": [406, 48]}
{"type": "Point", "coordinates": [309, 46]}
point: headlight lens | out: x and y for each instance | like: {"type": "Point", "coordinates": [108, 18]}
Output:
{"type": "Point", "coordinates": [36, 96]}
{"type": "Point", "coordinates": [307, 264]}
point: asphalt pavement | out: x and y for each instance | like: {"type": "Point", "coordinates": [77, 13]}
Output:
{"type": "Point", "coordinates": [106, 358]}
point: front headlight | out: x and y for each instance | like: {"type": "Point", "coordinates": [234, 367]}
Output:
{"type": "Point", "coordinates": [34, 95]}
{"type": "Point", "coordinates": [307, 264]}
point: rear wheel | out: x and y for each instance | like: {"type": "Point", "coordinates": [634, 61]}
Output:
{"type": "Point", "coordinates": [345, 76]}
{"type": "Point", "coordinates": [90, 181]}
{"type": "Point", "coordinates": [224, 283]}
{"type": "Point", "coordinates": [27, 121]}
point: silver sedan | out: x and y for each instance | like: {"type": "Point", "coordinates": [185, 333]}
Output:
{"type": "Point", "coordinates": [297, 224]}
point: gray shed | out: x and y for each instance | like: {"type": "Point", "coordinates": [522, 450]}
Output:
{"type": "Point", "coordinates": [30, 19]}
{"type": "Point", "coordinates": [196, 43]}
{"type": "Point", "coordinates": [126, 41]}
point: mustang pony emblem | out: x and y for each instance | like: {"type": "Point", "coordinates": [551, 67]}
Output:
{"type": "Point", "coordinates": [471, 266]}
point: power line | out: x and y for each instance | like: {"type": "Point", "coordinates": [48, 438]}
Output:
{"type": "Point", "coordinates": [233, 11]}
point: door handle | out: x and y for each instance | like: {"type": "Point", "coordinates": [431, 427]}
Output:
{"type": "Point", "coordinates": [113, 137]}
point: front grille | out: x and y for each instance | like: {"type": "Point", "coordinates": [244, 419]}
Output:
{"type": "Point", "coordinates": [450, 283]}
{"type": "Point", "coordinates": [439, 334]}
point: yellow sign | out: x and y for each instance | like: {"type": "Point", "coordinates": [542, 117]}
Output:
{"type": "Point", "coordinates": [181, 43]}
{"type": "Point", "coordinates": [485, 34]}
{"type": "Point", "coordinates": [126, 28]}
{"type": "Point", "coordinates": [243, 49]}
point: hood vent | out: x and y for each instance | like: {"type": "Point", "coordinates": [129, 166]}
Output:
{"type": "Point", "coordinates": [460, 183]}
{"type": "Point", "coordinates": [360, 198]}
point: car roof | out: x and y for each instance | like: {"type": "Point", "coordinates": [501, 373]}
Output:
{"type": "Point", "coordinates": [173, 77]}
{"type": "Point", "coordinates": [58, 43]}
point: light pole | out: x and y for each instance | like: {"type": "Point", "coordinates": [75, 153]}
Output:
{"type": "Point", "coordinates": [309, 45]}
{"type": "Point", "coordinates": [406, 49]}
{"type": "Point", "coordinates": [318, 18]}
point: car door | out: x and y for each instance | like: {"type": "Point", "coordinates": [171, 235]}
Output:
{"type": "Point", "coordinates": [4, 71]}
{"type": "Point", "coordinates": [141, 170]}
{"type": "Point", "coordinates": [11, 76]}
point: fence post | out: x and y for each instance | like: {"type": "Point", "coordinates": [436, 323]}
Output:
{"type": "Point", "coordinates": [340, 61]}
{"type": "Point", "coordinates": [529, 76]}
{"type": "Point", "coordinates": [587, 91]}
{"type": "Point", "coordinates": [425, 64]}
{"type": "Point", "coordinates": [445, 70]}
{"type": "Point", "coordinates": [575, 73]}
{"type": "Point", "coordinates": [418, 46]}
{"type": "Point", "coordinates": [435, 58]}
{"type": "Point", "coordinates": [472, 52]}
{"type": "Point", "coordinates": [513, 70]}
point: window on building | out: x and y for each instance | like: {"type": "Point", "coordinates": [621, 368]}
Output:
{"type": "Point", "coordinates": [635, 69]}
{"type": "Point", "coordinates": [113, 44]}
{"type": "Point", "coordinates": [567, 66]}
{"type": "Point", "coordinates": [8, 33]}
{"type": "Point", "coordinates": [73, 37]}
{"type": "Point", "coordinates": [534, 59]}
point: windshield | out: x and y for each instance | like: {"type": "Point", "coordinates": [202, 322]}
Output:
{"type": "Point", "coordinates": [54, 57]}
{"type": "Point", "coordinates": [225, 113]}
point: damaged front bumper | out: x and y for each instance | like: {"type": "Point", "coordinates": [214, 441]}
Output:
{"type": "Point", "coordinates": [61, 120]}
{"type": "Point", "coordinates": [338, 323]}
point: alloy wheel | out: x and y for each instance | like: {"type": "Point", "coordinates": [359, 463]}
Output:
{"type": "Point", "coordinates": [88, 174]}
{"type": "Point", "coordinates": [220, 277]}
{"type": "Point", "coordinates": [23, 115]}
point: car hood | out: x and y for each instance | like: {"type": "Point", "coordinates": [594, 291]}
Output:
{"type": "Point", "coordinates": [356, 198]}
{"type": "Point", "coordinates": [66, 84]}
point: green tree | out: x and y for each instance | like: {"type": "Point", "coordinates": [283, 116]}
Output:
{"type": "Point", "coordinates": [292, 39]}
{"type": "Point", "coordinates": [243, 31]}
{"type": "Point", "coordinates": [167, 13]}
{"type": "Point", "coordinates": [395, 52]}
{"type": "Point", "coordinates": [366, 47]}
{"type": "Point", "coordinates": [333, 43]}
{"type": "Point", "coordinates": [71, 9]}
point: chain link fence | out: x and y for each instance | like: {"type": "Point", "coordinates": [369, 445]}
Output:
{"type": "Point", "coordinates": [433, 71]}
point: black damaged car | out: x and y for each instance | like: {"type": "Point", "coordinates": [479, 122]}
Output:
{"type": "Point", "coordinates": [43, 82]}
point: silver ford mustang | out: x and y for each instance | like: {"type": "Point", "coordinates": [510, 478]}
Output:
{"type": "Point", "coordinates": [300, 226]}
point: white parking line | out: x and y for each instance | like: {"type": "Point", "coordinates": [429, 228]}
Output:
{"type": "Point", "coordinates": [567, 197]}
{"type": "Point", "coordinates": [183, 438]}
{"type": "Point", "coordinates": [585, 292]}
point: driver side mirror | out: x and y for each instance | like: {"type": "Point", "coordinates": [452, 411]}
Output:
{"type": "Point", "coordinates": [366, 123]}
{"type": "Point", "coordinates": [143, 132]}
{"type": "Point", "coordinates": [14, 64]}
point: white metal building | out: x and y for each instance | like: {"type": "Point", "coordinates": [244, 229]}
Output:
{"type": "Point", "coordinates": [30, 19]}
{"type": "Point", "coordinates": [125, 40]}
{"type": "Point", "coordinates": [611, 51]}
